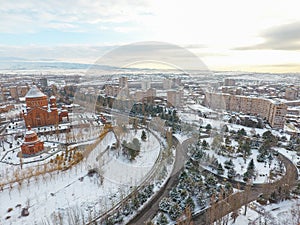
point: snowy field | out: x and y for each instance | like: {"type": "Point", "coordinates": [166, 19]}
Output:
{"type": "Point", "coordinates": [68, 193]}
{"type": "Point", "coordinates": [218, 124]}
{"type": "Point", "coordinates": [275, 214]}
{"type": "Point", "coordinates": [262, 169]}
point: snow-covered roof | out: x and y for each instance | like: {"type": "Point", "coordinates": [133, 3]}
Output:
{"type": "Point", "coordinates": [29, 132]}
{"type": "Point", "coordinates": [30, 143]}
{"type": "Point", "coordinates": [201, 108]}
{"type": "Point", "coordinates": [34, 92]}
{"type": "Point", "coordinates": [22, 99]}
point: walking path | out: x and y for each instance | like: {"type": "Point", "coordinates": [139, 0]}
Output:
{"type": "Point", "coordinates": [150, 210]}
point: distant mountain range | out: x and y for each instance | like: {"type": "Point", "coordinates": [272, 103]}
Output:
{"type": "Point", "coordinates": [23, 64]}
{"type": "Point", "coordinates": [16, 63]}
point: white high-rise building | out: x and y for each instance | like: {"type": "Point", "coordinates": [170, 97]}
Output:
{"type": "Point", "coordinates": [123, 82]}
{"type": "Point", "coordinates": [146, 84]}
{"type": "Point", "coordinates": [167, 84]}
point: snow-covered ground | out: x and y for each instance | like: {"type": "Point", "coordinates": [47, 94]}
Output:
{"type": "Point", "coordinates": [275, 214]}
{"type": "Point", "coordinates": [262, 169]}
{"type": "Point", "coordinates": [73, 192]}
{"type": "Point", "coordinates": [120, 170]}
{"type": "Point", "coordinates": [193, 118]}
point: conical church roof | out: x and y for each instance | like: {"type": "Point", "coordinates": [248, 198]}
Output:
{"type": "Point", "coordinates": [34, 92]}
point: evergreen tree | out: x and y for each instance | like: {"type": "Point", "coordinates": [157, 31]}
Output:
{"type": "Point", "coordinates": [227, 141]}
{"type": "Point", "coordinates": [131, 149]}
{"type": "Point", "coordinates": [251, 165]}
{"type": "Point", "coordinates": [231, 173]}
{"type": "Point", "coordinates": [225, 128]}
{"type": "Point", "coordinates": [250, 168]}
{"type": "Point", "coordinates": [208, 127]}
{"type": "Point", "coordinates": [228, 164]}
{"type": "Point", "coordinates": [162, 219]}
{"type": "Point", "coordinates": [270, 138]}
{"type": "Point", "coordinates": [205, 144]}
{"type": "Point", "coordinates": [220, 169]}
{"type": "Point", "coordinates": [174, 211]}
{"type": "Point", "coordinates": [246, 176]}
{"type": "Point", "coordinates": [143, 136]}
{"type": "Point", "coordinates": [190, 203]}
{"type": "Point", "coordinates": [199, 142]}
{"type": "Point", "coordinates": [210, 180]}
{"type": "Point", "coordinates": [228, 188]}
{"type": "Point", "coordinates": [242, 132]}
{"type": "Point", "coordinates": [246, 148]}
{"type": "Point", "coordinates": [267, 134]}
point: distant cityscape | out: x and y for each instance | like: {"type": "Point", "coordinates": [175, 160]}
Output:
{"type": "Point", "coordinates": [148, 147]}
{"type": "Point", "coordinates": [276, 101]}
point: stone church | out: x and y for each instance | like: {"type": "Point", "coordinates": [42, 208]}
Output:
{"type": "Point", "coordinates": [40, 112]}
{"type": "Point", "coordinates": [31, 144]}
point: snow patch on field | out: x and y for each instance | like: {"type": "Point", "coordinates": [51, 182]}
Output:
{"type": "Point", "coordinates": [61, 192]}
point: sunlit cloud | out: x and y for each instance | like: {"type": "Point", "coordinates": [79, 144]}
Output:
{"type": "Point", "coordinates": [32, 16]}
{"type": "Point", "coordinates": [224, 34]}
{"type": "Point", "coordinates": [282, 37]}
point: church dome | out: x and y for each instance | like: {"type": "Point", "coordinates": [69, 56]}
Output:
{"type": "Point", "coordinates": [31, 145]}
{"type": "Point", "coordinates": [30, 136]}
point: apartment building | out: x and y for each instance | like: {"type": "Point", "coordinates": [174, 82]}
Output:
{"type": "Point", "coordinates": [111, 90]}
{"type": "Point", "coordinates": [274, 112]}
{"type": "Point", "coordinates": [175, 98]}
{"type": "Point", "coordinates": [139, 95]}
{"type": "Point", "coordinates": [123, 82]}
{"type": "Point", "coordinates": [291, 93]}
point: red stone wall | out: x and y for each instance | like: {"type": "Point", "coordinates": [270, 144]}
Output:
{"type": "Point", "coordinates": [39, 117]}
{"type": "Point", "coordinates": [37, 102]}
{"type": "Point", "coordinates": [38, 114]}
{"type": "Point", "coordinates": [32, 149]}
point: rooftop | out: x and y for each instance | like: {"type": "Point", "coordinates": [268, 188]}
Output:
{"type": "Point", "coordinates": [34, 92]}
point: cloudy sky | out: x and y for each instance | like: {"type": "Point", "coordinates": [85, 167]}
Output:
{"type": "Point", "coordinates": [256, 35]}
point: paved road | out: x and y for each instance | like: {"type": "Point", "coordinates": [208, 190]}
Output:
{"type": "Point", "coordinates": [237, 200]}
{"type": "Point", "coordinates": [149, 211]}
{"type": "Point", "coordinates": [221, 208]}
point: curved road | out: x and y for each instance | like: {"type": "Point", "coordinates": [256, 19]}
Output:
{"type": "Point", "coordinates": [222, 208]}
{"type": "Point", "coordinates": [150, 210]}
{"type": "Point", "coordinates": [235, 201]}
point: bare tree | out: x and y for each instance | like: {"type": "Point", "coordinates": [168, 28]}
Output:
{"type": "Point", "coordinates": [246, 196]}
{"type": "Point", "coordinates": [212, 210]}
{"type": "Point", "coordinates": [186, 217]}
{"type": "Point", "coordinates": [295, 212]}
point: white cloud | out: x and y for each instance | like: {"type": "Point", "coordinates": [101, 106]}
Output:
{"type": "Point", "coordinates": [215, 26]}
{"type": "Point", "coordinates": [32, 16]}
